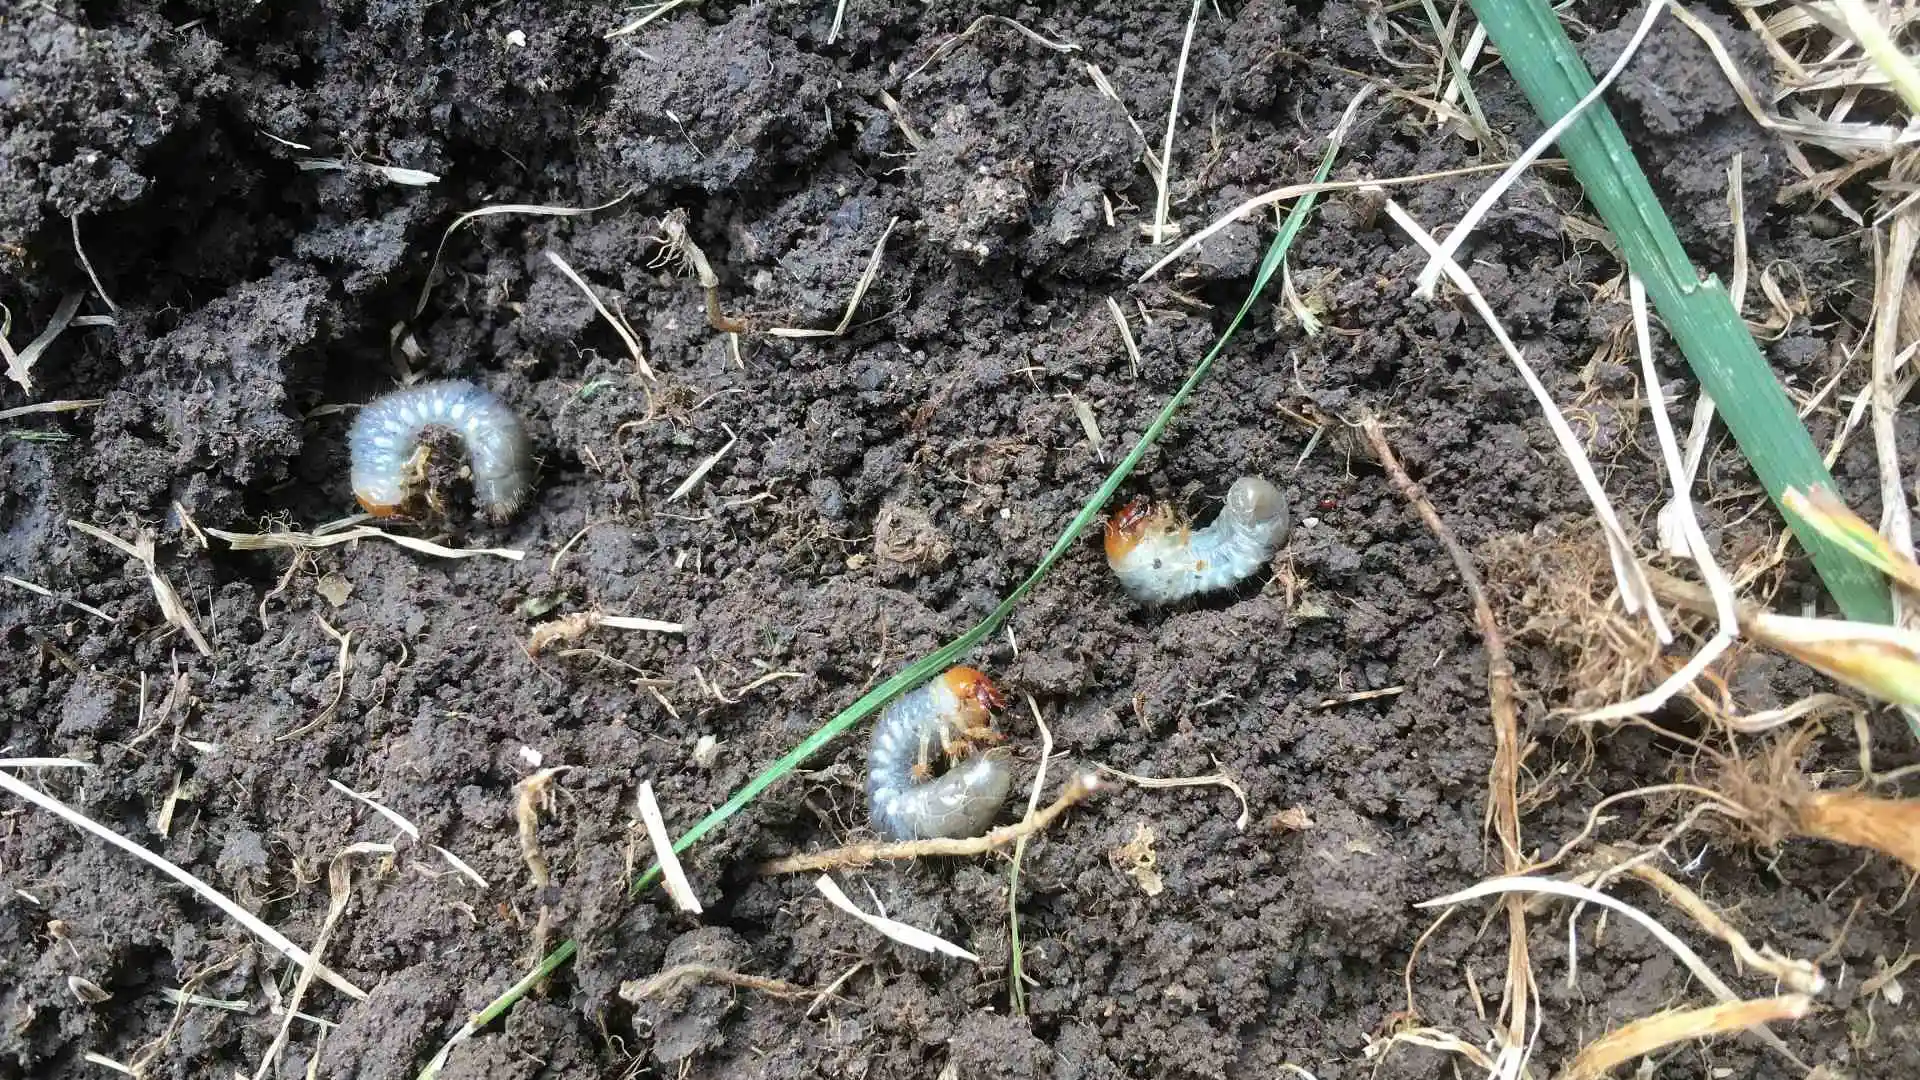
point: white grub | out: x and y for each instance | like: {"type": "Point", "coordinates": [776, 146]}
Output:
{"type": "Point", "coordinates": [1159, 560]}
{"type": "Point", "coordinates": [905, 800]}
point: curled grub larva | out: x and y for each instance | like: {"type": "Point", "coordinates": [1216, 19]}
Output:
{"type": "Point", "coordinates": [1160, 560]}
{"type": "Point", "coordinates": [950, 713]}
{"type": "Point", "coordinates": [387, 439]}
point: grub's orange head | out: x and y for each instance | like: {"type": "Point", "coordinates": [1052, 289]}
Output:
{"type": "Point", "coordinates": [377, 509]}
{"type": "Point", "coordinates": [1127, 526]}
{"type": "Point", "coordinates": [970, 687]}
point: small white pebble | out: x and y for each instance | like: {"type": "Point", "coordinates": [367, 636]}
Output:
{"type": "Point", "coordinates": [517, 39]}
{"type": "Point", "coordinates": [531, 757]}
{"type": "Point", "coordinates": [1005, 512]}
{"type": "Point", "coordinates": [1309, 522]}
{"type": "Point", "coordinates": [705, 751]}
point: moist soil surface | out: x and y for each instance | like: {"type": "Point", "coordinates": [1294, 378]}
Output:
{"type": "Point", "coordinates": [820, 511]}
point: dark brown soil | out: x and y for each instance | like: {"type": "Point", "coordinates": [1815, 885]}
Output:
{"type": "Point", "coordinates": [886, 488]}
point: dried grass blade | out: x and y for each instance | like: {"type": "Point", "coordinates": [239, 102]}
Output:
{"type": "Point", "coordinates": [674, 875]}
{"type": "Point", "coordinates": [701, 470]}
{"type": "Point", "coordinates": [274, 938]}
{"type": "Point", "coordinates": [1823, 510]}
{"type": "Point", "coordinates": [619, 325]}
{"type": "Point", "coordinates": [69, 405]}
{"type": "Point", "coordinates": [426, 288]}
{"type": "Point", "coordinates": [1695, 540]}
{"type": "Point", "coordinates": [1547, 67]}
{"type": "Point", "coordinates": [21, 363]}
{"type": "Point", "coordinates": [1430, 274]}
{"type": "Point", "coordinates": [1571, 891]}
{"type": "Point", "coordinates": [860, 288]}
{"type": "Point", "coordinates": [171, 606]}
{"type": "Point", "coordinates": [911, 936]}
{"type": "Point", "coordinates": [298, 541]}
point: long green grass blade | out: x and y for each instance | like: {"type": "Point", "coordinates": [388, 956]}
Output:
{"type": "Point", "coordinates": [1698, 313]}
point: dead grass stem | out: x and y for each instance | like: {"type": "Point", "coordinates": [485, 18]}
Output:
{"type": "Point", "coordinates": [1641, 1037]}
{"type": "Point", "coordinates": [1503, 806]}
{"type": "Point", "coordinates": [297, 541]}
{"type": "Point", "coordinates": [1210, 780]}
{"type": "Point", "coordinates": [673, 978]}
{"type": "Point", "coordinates": [619, 324]}
{"type": "Point", "coordinates": [340, 890]}
{"type": "Point", "coordinates": [274, 938]}
{"type": "Point", "coordinates": [860, 287]}
{"type": "Point", "coordinates": [426, 287]}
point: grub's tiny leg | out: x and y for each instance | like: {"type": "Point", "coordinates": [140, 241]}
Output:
{"type": "Point", "coordinates": [413, 471]}
{"type": "Point", "coordinates": [923, 765]}
{"type": "Point", "coordinates": [957, 740]}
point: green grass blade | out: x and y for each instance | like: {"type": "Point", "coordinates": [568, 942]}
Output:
{"type": "Point", "coordinates": [937, 661]}
{"type": "Point", "coordinates": [1698, 313]}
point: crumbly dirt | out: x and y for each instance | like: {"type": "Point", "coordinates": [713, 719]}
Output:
{"type": "Point", "coordinates": [881, 491]}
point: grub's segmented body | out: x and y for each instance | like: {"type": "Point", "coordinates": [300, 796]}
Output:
{"type": "Point", "coordinates": [1159, 560]}
{"type": "Point", "coordinates": [943, 716]}
{"type": "Point", "coordinates": [386, 435]}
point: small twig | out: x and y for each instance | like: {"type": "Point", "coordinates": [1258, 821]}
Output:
{"type": "Point", "coordinates": [1077, 790]}
{"type": "Point", "coordinates": [679, 242]}
{"type": "Point", "coordinates": [535, 792]}
{"type": "Point", "coordinates": [1089, 425]}
{"type": "Point", "coordinates": [901, 120]}
{"type": "Point", "coordinates": [571, 628]}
